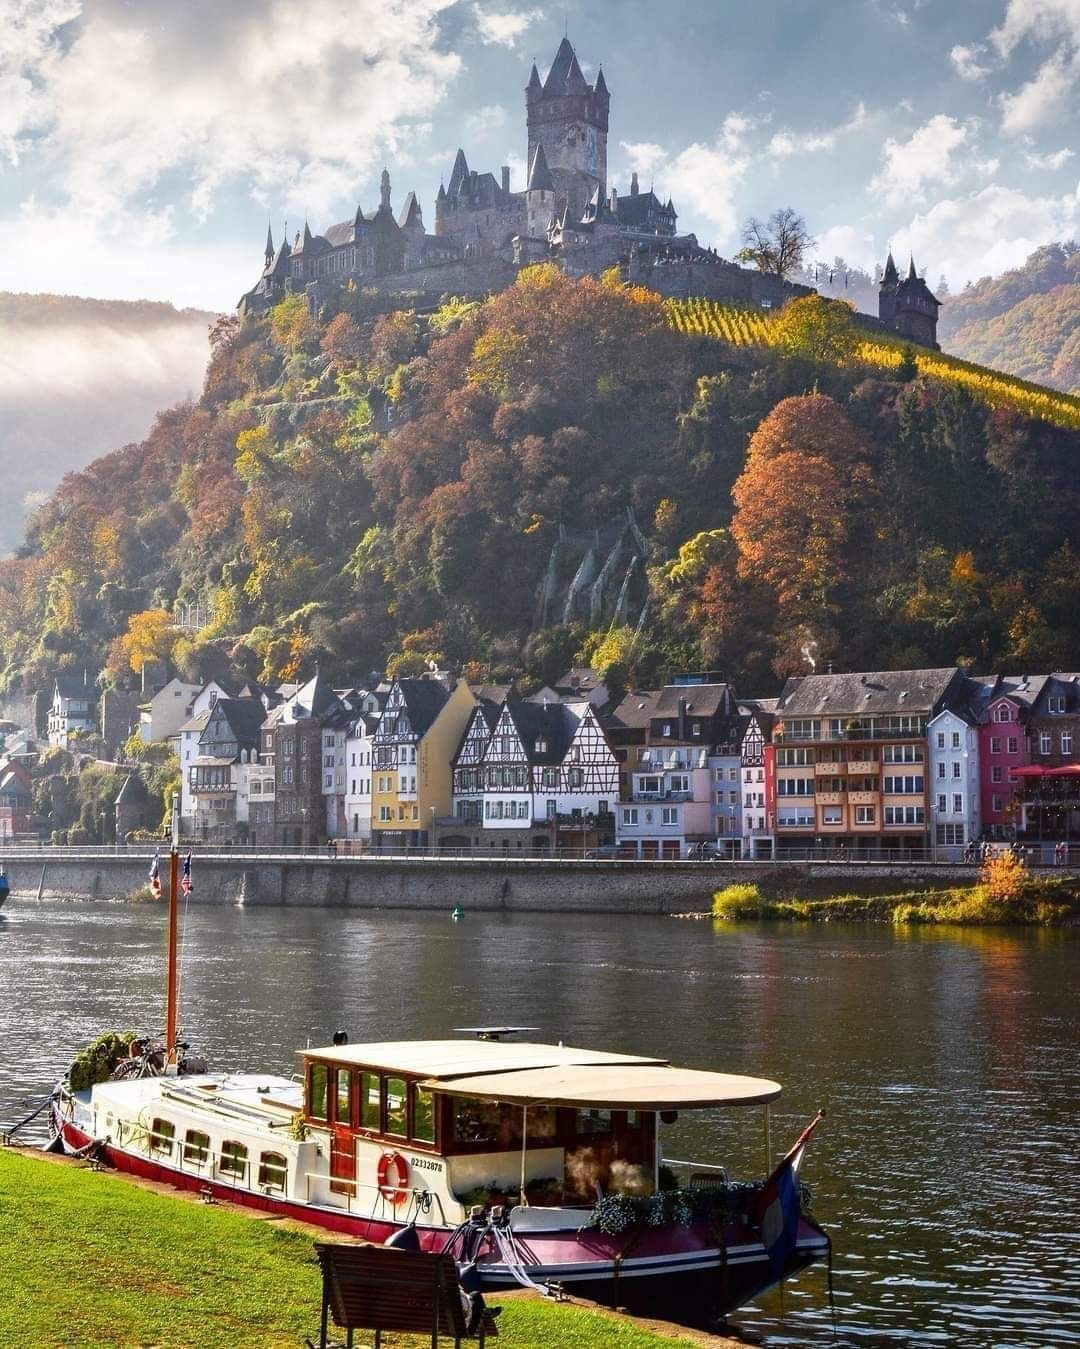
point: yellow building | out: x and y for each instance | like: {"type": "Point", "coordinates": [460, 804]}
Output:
{"type": "Point", "coordinates": [413, 746]}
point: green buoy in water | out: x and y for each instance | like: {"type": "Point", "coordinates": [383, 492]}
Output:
{"type": "Point", "coordinates": [457, 913]}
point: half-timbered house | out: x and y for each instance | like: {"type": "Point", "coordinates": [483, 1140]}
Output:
{"type": "Point", "coordinates": [756, 784]}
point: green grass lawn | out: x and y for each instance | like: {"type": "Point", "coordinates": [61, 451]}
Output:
{"type": "Point", "coordinates": [90, 1259]}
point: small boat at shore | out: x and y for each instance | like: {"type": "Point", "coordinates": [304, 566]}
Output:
{"type": "Point", "coordinates": [536, 1164]}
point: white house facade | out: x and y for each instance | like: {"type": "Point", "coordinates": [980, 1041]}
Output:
{"type": "Point", "coordinates": [954, 787]}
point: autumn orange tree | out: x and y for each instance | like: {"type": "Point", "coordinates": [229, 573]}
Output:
{"type": "Point", "coordinates": [801, 512]}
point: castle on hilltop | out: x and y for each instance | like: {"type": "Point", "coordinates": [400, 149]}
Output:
{"type": "Point", "coordinates": [567, 214]}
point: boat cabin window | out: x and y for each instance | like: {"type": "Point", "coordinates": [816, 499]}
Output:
{"type": "Point", "coordinates": [370, 1101]}
{"type": "Point", "coordinates": [196, 1147]}
{"type": "Point", "coordinates": [162, 1135]}
{"type": "Point", "coordinates": [233, 1159]}
{"type": "Point", "coordinates": [272, 1171]}
{"type": "Point", "coordinates": [593, 1122]}
{"type": "Point", "coordinates": [498, 1126]}
{"type": "Point", "coordinates": [423, 1115]}
{"type": "Point", "coordinates": [317, 1075]}
{"type": "Point", "coordinates": [397, 1106]}
{"type": "Point", "coordinates": [343, 1097]}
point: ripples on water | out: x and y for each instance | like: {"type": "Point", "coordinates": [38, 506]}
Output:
{"type": "Point", "coordinates": [948, 1064]}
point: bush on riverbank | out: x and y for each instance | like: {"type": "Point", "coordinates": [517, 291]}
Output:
{"type": "Point", "coordinates": [1003, 895]}
{"type": "Point", "coordinates": [93, 1259]}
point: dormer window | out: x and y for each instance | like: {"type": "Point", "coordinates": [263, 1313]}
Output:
{"type": "Point", "coordinates": [1056, 704]}
{"type": "Point", "coordinates": [541, 745]}
{"type": "Point", "coordinates": [1002, 713]}
{"type": "Point", "coordinates": [666, 728]}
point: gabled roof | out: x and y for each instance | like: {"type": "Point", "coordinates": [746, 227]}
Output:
{"type": "Point", "coordinates": [411, 213]}
{"type": "Point", "coordinates": [552, 724]}
{"type": "Point", "coordinates": [13, 787]}
{"type": "Point", "coordinates": [702, 700]}
{"type": "Point", "coordinates": [1021, 689]}
{"type": "Point", "coordinates": [243, 716]}
{"type": "Point", "coordinates": [424, 700]}
{"type": "Point", "coordinates": [459, 174]}
{"type": "Point", "coordinates": [879, 691]}
{"type": "Point", "coordinates": [73, 686]}
{"type": "Point", "coordinates": [1061, 685]}
{"type": "Point", "coordinates": [635, 711]}
{"type": "Point", "coordinates": [195, 723]}
{"type": "Point", "coordinates": [317, 697]}
{"type": "Point", "coordinates": [635, 210]}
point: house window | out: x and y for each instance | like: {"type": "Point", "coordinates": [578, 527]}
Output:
{"type": "Point", "coordinates": [903, 786]}
{"type": "Point", "coordinates": [162, 1137]}
{"type": "Point", "coordinates": [950, 833]}
{"type": "Point", "coordinates": [956, 769]}
{"type": "Point", "coordinates": [273, 1168]}
{"type": "Point", "coordinates": [680, 782]}
{"type": "Point", "coordinates": [941, 768]}
{"type": "Point", "coordinates": [941, 739]}
{"type": "Point", "coordinates": [669, 815]}
{"type": "Point", "coordinates": [1066, 742]}
{"type": "Point", "coordinates": [996, 804]}
{"type": "Point", "coordinates": [233, 1159]}
{"type": "Point", "coordinates": [957, 804]}
{"type": "Point", "coordinates": [996, 774]}
{"type": "Point", "coordinates": [956, 739]}
{"type": "Point", "coordinates": [1055, 704]}
{"type": "Point", "coordinates": [1044, 742]}
{"type": "Point", "coordinates": [697, 726]}
{"type": "Point", "coordinates": [1002, 713]}
{"type": "Point", "coordinates": [629, 816]}
{"type": "Point", "coordinates": [995, 744]}
{"type": "Point", "coordinates": [941, 804]}
{"type": "Point", "coordinates": [196, 1147]}
{"type": "Point", "coordinates": [865, 814]}
{"type": "Point", "coordinates": [832, 815]}
{"type": "Point", "coordinates": [666, 728]}
{"type": "Point", "coordinates": [1014, 744]}
{"type": "Point", "coordinates": [551, 810]}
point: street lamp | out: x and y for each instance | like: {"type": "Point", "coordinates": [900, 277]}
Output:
{"type": "Point", "coordinates": [433, 831]}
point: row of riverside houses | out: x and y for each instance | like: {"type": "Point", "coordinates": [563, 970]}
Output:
{"type": "Point", "coordinates": [869, 763]}
{"type": "Point", "coordinates": [412, 764]}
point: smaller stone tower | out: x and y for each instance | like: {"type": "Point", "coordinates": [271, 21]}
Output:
{"type": "Point", "coordinates": [908, 307]}
{"type": "Point", "coordinates": [539, 196]}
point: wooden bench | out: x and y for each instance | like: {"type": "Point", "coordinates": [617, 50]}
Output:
{"type": "Point", "coordinates": [379, 1288]}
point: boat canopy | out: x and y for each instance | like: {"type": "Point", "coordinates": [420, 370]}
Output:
{"type": "Point", "coordinates": [634, 1086]}
{"type": "Point", "coordinates": [444, 1060]}
{"type": "Point", "coordinates": [554, 1075]}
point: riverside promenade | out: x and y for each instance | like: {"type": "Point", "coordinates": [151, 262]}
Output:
{"type": "Point", "coordinates": [481, 884]}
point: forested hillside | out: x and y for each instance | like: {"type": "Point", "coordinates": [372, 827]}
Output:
{"type": "Point", "coordinates": [1026, 321]}
{"type": "Point", "coordinates": [384, 487]}
{"type": "Point", "coordinates": [79, 377]}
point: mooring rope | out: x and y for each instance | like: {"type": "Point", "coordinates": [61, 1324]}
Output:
{"type": "Point", "coordinates": [9, 1134]}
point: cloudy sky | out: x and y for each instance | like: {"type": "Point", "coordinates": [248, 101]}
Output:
{"type": "Point", "coordinates": [145, 143]}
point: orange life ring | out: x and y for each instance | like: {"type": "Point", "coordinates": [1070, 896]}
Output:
{"type": "Point", "coordinates": [395, 1188]}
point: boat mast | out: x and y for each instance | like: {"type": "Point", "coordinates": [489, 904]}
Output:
{"type": "Point", "coordinates": [174, 889]}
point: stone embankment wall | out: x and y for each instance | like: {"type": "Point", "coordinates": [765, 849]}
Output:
{"type": "Point", "coordinates": [582, 887]}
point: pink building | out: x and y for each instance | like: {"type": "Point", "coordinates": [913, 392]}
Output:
{"type": "Point", "coordinates": [1003, 748]}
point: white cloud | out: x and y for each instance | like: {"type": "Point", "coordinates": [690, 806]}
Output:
{"type": "Point", "coordinates": [28, 45]}
{"type": "Point", "coordinates": [857, 247]}
{"type": "Point", "coordinates": [1038, 19]}
{"type": "Point", "coordinates": [1052, 161]}
{"type": "Point", "coordinates": [786, 143]}
{"type": "Point", "coordinates": [484, 121]}
{"type": "Point", "coordinates": [140, 94]}
{"type": "Point", "coordinates": [987, 232]}
{"type": "Point", "coordinates": [1043, 98]}
{"type": "Point", "coordinates": [929, 156]}
{"type": "Point", "coordinates": [503, 27]}
{"type": "Point", "coordinates": [702, 178]}
{"type": "Point", "coordinates": [966, 62]}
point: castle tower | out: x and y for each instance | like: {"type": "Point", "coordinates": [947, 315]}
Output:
{"type": "Point", "coordinates": [908, 307]}
{"type": "Point", "coordinates": [569, 118]}
{"type": "Point", "coordinates": [539, 196]}
{"type": "Point", "coordinates": [384, 191]}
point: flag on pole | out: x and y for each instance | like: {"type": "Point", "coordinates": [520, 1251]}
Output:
{"type": "Point", "coordinates": [185, 881]}
{"type": "Point", "coordinates": [776, 1212]}
{"type": "Point", "coordinates": [155, 875]}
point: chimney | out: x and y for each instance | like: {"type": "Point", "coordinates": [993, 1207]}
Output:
{"type": "Point", "coordinates": [682, 718]}
{"type": "Point", "coordinates": [614, 202]}
{"type": "Point", "coordinates": [506, 178]}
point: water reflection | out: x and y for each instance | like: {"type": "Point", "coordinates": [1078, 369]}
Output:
{"type": "Point", "coordinates": [947, 1062]}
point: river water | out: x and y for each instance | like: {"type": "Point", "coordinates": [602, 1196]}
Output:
{"type": "Point", "coordinates": [948, 1063]}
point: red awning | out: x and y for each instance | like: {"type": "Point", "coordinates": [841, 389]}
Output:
{"type": "Point", "coordinates": [1033, 772]}
{"type": "Point", "coordinates": [1070, 770]}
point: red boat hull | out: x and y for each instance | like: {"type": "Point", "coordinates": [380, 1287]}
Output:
{"type": "Point", "coordinates": [678, 1269]}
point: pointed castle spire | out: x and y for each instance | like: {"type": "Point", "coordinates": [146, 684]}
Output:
{"type": "Point", "coordinates": [540, 179]}
{"type": "Point", "coordinates": [269, 252]}
{"type": "Point", "coordinates": [890, 276]}
{"type": "Point", "coordinates": [384, 191]}
{"type": "Point", "coordinates": [601, 84]}
{"type": "Point", "coordinates": [912, 274]}
{"type": "Point", "coordinates": [534, 80]}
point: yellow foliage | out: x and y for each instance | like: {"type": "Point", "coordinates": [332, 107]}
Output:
{"type": "Point", "coordinates": [291, 323]}
{"type": "Point", "coordinates": [150, 636]}
{"type": "Point", "coordinates": [963, 569]}
{"type": "Point", "coordinates": [1004, 877]}
{"type": "Point", "coordinates": [749, 328]}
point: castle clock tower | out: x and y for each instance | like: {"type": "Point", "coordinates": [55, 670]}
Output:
{"type": "Point", "coordinates": [569, 118]}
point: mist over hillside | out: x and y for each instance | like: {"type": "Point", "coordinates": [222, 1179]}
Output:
{"type": "Point", "coordinates": [79, 378]}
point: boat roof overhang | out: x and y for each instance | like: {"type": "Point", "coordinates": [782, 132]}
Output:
{"type": "Point", "coordinates": [643, 1086]}
{"type": "Point", "coordinates": [555, 1075]}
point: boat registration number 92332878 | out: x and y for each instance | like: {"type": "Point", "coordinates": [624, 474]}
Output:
{"type": "Point", "coordinates": [425, 1164]}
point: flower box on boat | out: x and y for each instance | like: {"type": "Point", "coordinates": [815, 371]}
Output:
{"type": "Point", "coordinates": [497, 1151]}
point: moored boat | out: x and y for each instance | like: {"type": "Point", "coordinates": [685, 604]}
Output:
{"type": "Point", "coordinates": [540, 1163]}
